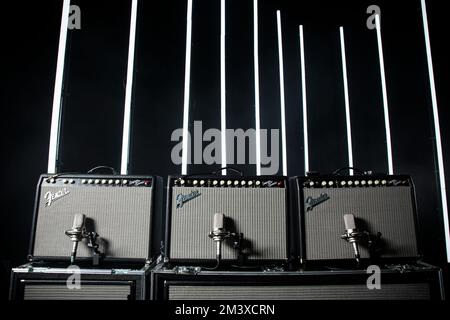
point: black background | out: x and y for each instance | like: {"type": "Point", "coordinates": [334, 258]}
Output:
{"type": "Point", "coordinates": [95, 77]}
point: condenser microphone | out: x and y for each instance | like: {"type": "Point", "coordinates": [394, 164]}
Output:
{"type": "Point", "coordinates": [219, 234]}
{"type": "Point", "coordinates": [352, 235]}
{"type": "Point", "coordinates": [76, 234]}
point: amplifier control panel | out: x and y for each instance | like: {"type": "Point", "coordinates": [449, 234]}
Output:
{"type": "Point", "coordinates": [227, 182]}
{"type": "Point", "coordinates": [355, 182]}
{"type": "Point", "coordinates": [99, 181]}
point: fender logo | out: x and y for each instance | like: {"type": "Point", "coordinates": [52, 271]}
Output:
{"type": "Point", "coordinates": [51, 197]}
{"type": "Point", "coordinates": [183, 199]}
{"type": "Point", "coordinates": [311, 202]}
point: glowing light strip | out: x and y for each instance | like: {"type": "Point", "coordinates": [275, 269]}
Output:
{"type": "Point", "coordinates": [282, 96]}
{"type": "Point", "coordinates": [223, 87]}
{"type": "Point", "coordinates": [437, 129]}
{"type": "Point", "coordinates": [187, 90]}
{"type": "Point", "coordinates": [347, 101]}
{"type": "Point", "coordinates": [129, 90]}
{"type": "Point", "coordinates": [305, 105]}
{"type": "Point", "coordinates": [257, 98]}
{"type": "Point", "coordinates": [385, 98]}
{"type": "Point", "coordinates": [53, 153]}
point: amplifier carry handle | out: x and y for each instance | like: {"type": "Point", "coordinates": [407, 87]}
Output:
{"type": "Point", "coordinates": [93, 170]}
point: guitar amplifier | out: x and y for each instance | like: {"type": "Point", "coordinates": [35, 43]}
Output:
{"type": "Point", "coordinates": [125, 212]}
{"type": "Point", "coordinates": [420, 282]}
{"type": "Point", "coordinates": [383, 207]}
{"type": "Point", "coordinates": [255, 207]}
{"type": "Point", "coordinates": [35, 282]}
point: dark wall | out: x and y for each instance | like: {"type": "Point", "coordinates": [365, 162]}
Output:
{"type": "Point", "coordinates": [95, 89]}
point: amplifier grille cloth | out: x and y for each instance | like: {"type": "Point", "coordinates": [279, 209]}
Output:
{"type": "Point", "coordinates": [121, 216]}
{"type": "Point", "coordinates": [419, 291]}
{"type": "Point", "coordinates": [260, 214]}
{"type": "Point", "coordinates": [386, 210]}
{"type": "Point", "coordinates": [86, 292]}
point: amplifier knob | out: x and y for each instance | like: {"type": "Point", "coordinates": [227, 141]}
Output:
{"type": "Point", "coordinates": [384, 182]}
{"type": "Point", "coordinates": [84, 181]}
{"type": "Point", "coordinates": [363, 182]}
{"type": "Point", "coordinates": [343, 183]}
{"type": "Point", "coordinates": [182, 182]}
{"type": "Point", "coordinates": [370, 182]}
{"type": "Point", "coordinates": [111, 182]}
{"type": "Point", "coordinates": [215, 183]}
{"type": "Point", "coordinates": [117, 182]}
{"type": "Point", "coordinates": [52, 180]}
{"type": "Point", "coordinates": [195, 182]}
{"type": "Point", "coordinates": [250, 183]}
{"type": "Point", "coordinates": [229, 182]}
{"type": "Point", "coordinates": [311, 184]}
{"type": "Point", "coordinates": [104, 181]}
{"type": "Point", "coordinates": [222, 182]}
{"type": "Point", "coordinates": [377, 182]}
{"type": "Point", "coordinates": [324, 183]}
{"type": "Point", "coordinates": [125, 182]}
{"type": "Point", "coordinates": [65, 181]}
{"type": "Point", "coordinates": [97, 181]}
{"type": "Point", "coordinates": [91, 181]}
{"type": "Point", "coordinates": [202, 182]}
{"type": "Point", "coordinates": [258, 183]}
{"type": "Point", "coordinates": [356, 183]}
{"type": "Point", "coordinates": [350, 183]}
{"type": "Point", "coordinates": [236, 183]}
{"type": "Point", "coordinates": [330, 183]}
{"type": "Point", "coordinates": [243, 183]}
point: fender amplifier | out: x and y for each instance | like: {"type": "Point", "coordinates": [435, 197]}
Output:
{"type": "Point", "coordinates": [123, 210]}
{"type": "Point", "coordinates": [383, 208]}
{"type": "Point", "coordinates": [420, 282]}
{"type": "Point", "coordinates": [254, 207]}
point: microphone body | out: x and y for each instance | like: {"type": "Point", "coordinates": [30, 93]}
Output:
{"type": "Point", "coordinates": [352, 235]}
{"type": "Point", "coordinates": [219, 234]}
{"type": "Point", "coordinates": [76, 234]}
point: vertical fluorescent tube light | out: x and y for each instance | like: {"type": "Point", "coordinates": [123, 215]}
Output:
{"type": "Point", "coordinates": [304, 101]}
{"type": "Point", "coordinates": [223, 111]}
{"type": "Point", "coordinates": [257, 99]}
{"type": "Point", "coordinates": [385, 98]}
{"type": "Point", "coordinates": [53, 153]}
{"type": "Point", "coordinates": [187, 89]}
{"type": "Point", "coordinates": [437, 129]}
{"type": "Point", "coordinates": [282, 97]}
{"type": "Point", "coordinates": [347, 101]}
{"type": "Point", "coordinates": [129, 90]}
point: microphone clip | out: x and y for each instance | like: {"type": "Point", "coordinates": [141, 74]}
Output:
{"type": "Point", "coordinates": [77, 235]}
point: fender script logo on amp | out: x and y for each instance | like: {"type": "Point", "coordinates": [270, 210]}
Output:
{"type": "Point", "coordinates": [311, 203]}
{"type": "Point", "coordinates": [51, 197]}
{"type": "Point", "coordinates": [183, 199]}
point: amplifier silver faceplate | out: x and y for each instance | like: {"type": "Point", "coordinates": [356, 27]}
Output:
{"type": "Point", "coordinates": [121, 216]}
{"type": "Point", "coordinates": [388, 210]}
{"type": "Point", "coordinates": [260, 214]}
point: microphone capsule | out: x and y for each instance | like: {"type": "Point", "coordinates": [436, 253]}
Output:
{"type": "Point", "coordinates": [349, 220]}
{"type": "Point", "coordinates": [218, 221]}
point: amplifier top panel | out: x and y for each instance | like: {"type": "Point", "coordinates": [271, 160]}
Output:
{"type": "Point", "coordinates": [97, 181]}
{"type": "Point", "coordinates": [227, 182]}
{"type": "Point", "coordinates": [354, 181]}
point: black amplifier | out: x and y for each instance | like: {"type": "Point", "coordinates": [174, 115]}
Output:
{"type": "Point", "coordinates": [34, 282]}
{"type": "Point", "coordinates": [253, 207]}
{"type": "Point", "coordinates": [376, 212]}
{"type": "Point", "coordinates": [418, 282]}
{"type": "Point", "coordinates": [124, 212]}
